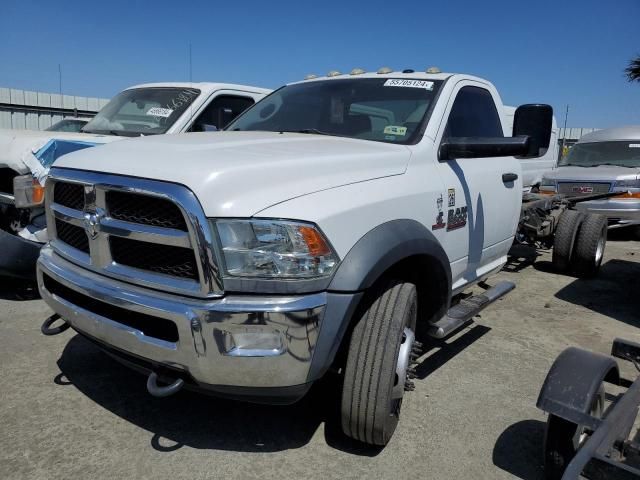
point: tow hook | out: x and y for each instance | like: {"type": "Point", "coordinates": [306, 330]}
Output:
{"type": "Point", "coordinates": [157, 391]}
{"type": "Point", "coordinates": [46, 328]}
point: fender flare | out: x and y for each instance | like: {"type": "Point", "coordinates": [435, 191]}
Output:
{"type": "Point", "coordinates": [573, 381]}
{"type": "Point", "coordinates": [376, 252]}
{"type": "Point", "coordinates": [381, 248]}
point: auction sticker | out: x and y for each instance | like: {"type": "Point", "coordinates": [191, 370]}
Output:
{"type": "Point", "coordinates": [160, 112]}
{"type": "Point", "coordinates": [400, 82]}
{"type": "Point", "coordinates": [395, 130]}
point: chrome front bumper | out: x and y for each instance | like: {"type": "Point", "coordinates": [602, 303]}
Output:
{"type": "Point", "coordinates": [236, 341]}
{"type": "Point", "coordinates": [619, 211]}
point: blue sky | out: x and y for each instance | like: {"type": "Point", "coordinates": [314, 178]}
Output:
{"type": "Point", "coordinates": [558, 52]}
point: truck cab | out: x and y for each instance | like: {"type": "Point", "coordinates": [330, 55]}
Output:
{"type": "Point", "coordinates": [332, 224]}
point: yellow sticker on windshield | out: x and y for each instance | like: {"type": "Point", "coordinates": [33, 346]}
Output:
{"type": "Point", "coordinates": [394, 130]}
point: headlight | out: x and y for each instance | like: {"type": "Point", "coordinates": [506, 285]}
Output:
{"type": "Point", "coordinates": [274, 249]}
{"type": "Point", "coordinates": [547, 185]}
{"type": "Point", "coordinates": [27, 191]}
{"type": "Point", "coordinates": [634, 183]}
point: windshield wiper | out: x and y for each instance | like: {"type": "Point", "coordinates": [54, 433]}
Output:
{"type": "Point", "coordinates": [313, 131]}
{"type": "Point", "coordinates": [573, 165]}
{"type": "Point", "coordinates": [613, 165]}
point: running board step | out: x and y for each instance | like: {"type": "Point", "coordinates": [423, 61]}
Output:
{"type": "Point", "coordinates": [460, 314]}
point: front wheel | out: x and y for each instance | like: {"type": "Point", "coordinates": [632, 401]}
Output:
{"type": "Point", "coordinates": [376, 372]}
{"type": "Point", "coordinates": [563, 439]}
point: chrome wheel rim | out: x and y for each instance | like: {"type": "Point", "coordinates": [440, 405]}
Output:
{"type": "Point", "coordinates": [402, 366]}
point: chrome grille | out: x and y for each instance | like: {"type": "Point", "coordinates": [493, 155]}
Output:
{"type": "Point", "coordinates": [576, 189]}
{"type": "Point", "coordinates": [132, 207]}
{"type": "Point", "coordinates": [176, 261]}
{"type": "Point", "coordinates": [69, 195]}
{"type": "Point", "coordinates": [72, 235]}
{"type": "Point", "coordinates": [141, 231]}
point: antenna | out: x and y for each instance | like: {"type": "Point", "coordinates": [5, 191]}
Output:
{"type": "Point", "coordinates": [60, 81]}
{"type": "Point", "coordinates": [564, 133]}
{"type": "Point", "coordinates": [190, 66]}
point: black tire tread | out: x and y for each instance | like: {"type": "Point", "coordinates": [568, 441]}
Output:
{"type": "Point", "coordinates": [370, 367]}
{"type": "Point", "coordinates": [564, 239]}
{"type": "Point", "coordinates": [593, 227]}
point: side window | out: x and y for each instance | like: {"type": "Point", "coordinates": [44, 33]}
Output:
{"type": "Point", "coordinates": [473, 114]}
{"type": "Point", "coordinates": [220, 112]}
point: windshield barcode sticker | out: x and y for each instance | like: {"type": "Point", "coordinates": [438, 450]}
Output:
{"type": "Point", "coordinates": [160, 112]}
{"type": "Point", "coordinates": [399, 82]}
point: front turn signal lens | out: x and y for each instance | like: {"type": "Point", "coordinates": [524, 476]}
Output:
{"type": "Point", "coordinates": [27, 191]}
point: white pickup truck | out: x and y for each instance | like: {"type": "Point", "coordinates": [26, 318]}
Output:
{"type": "Point", "coordinates": [330, 225]}
{"type": "Point", "coordinates": [149, 109]}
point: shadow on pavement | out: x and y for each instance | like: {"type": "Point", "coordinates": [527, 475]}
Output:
{"type": "Point", "coordinates": [18, 290]}
{"type": "Point", "coordinates": [206, 422]}
{"type": "Point", "coordinates": [518, 450]}
{"type": "Point", "coordinates": [520, 257]}
{"type": "Point", "coordinates": [202, 421]}
{"type": "Point", "coordinates": [441, 351]}
{"type": "Point", "coordinates": [612, 292]}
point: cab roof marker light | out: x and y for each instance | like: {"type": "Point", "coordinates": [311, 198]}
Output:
{"type": "Point", "coordinates": [357, 71]}
{"type": "Point", "coordinates": [311, 76]}
{"type": "Point", "coordinates": [334, 73]}
{"type": "Point", "coordinates": [433, 70]}
{"type": "Point", "coordinates": [384, 70]}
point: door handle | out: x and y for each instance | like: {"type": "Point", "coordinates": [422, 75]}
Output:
{"type": "Point", "coordinates": [509, 177]}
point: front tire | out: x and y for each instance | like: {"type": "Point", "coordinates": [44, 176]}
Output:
{"type": "Point", "coordinates": [375, 371]}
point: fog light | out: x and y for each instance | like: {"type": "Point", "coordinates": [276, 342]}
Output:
{"type": "Point", "coordinates": [252, 342]}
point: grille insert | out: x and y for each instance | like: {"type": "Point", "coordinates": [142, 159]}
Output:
{"type": "Point", "coordinates": [576, 189]}
{"type": "Point", "coordinates": [166, 259]}
{"type": "Point", "coordinates": [151, 326]}
{"type": "Point", "coordinates": [70, 195]}
{"type": "Point", "coordinates": [72, 235]}
{"type": "Point", "coordinates": [135, 208]}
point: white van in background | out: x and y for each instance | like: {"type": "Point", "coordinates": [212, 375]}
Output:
{"type": "Point", "coordinates": [534, 168]}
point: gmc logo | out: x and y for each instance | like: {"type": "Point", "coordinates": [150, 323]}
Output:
{"type": "Point", "coordinates": [582, 189]}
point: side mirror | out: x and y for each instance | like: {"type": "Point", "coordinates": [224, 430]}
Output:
{"type": "Point", "coordinates": [534, 121]}
{"type": "Point", "coordinates": [482, 147]}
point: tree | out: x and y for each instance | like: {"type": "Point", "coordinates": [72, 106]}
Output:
{"type": "Point", "coordinates": [633, 70]}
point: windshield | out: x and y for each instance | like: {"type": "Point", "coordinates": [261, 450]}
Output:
{"type": "Point", "coordinates": [621, 153]}
{"type": "Point", "coordinates": [380, 109]}
{"type": "Point", "coordinates": [142, 111]}
{"type": "Point", "coordinates": [67, 126]}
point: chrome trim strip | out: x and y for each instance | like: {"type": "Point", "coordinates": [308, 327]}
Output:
{"type": "Point", "coordinates": [199, 236]}
{"type": "Point", "coordinates": [69, 215]}
{"type": "Point", "coordinates": [7, 198]}
{"type": "Point", "coordinates": [145, 233]}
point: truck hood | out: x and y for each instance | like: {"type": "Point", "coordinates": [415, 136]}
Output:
{"type": "Point", "coordinates": [17, 146]}
{"type": "Point", "coordinates": [592, 174]}
{"type": "Point", "coordinates": [238, 174]}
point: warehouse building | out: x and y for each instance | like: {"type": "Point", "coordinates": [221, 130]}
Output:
{"type": "Point", "coordinates": [24, 109]}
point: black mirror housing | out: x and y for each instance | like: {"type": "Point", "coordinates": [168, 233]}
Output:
{"type": "Point", "coordinates": [482, 147]}
{"type": "Point", "coordinates": [535, 122]}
